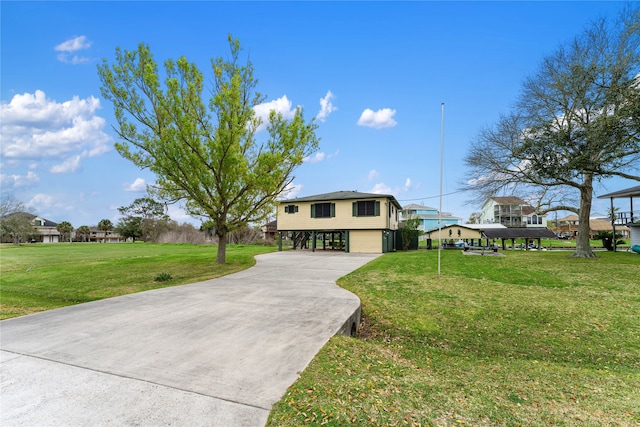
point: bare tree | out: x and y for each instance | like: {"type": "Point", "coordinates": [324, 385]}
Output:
{"type": "Point", "coordinates": [577, 121]}
{"type": "Point", "coordinates": [15, 220]}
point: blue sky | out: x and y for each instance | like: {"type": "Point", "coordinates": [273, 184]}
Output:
{"type": "Point", "coordinates": [374, 74]}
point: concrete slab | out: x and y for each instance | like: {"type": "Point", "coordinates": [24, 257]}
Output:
{"type": "Point", "coordinates": [216, 353]}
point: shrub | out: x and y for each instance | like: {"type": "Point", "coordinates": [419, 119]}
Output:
{"type": "Point", "coordinates": [163, 277]}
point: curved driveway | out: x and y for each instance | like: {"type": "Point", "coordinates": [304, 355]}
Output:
{"type": "Point", "coordinates": [213, 353]}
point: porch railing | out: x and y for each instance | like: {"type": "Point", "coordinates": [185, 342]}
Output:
{"type": "Point", "coordinates": [624, 218]}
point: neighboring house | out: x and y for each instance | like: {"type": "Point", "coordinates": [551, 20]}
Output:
{"type": "Point", "coordinates": [567, 227]}
{"type": "Point", "coordinates": [344, 220]}
{"type": "Point", "coordinates": [455, 232]}
{"type": "Point", "coordinates": [270, 230]}
{"type": "Point", "coordinates": [491, 234]}
{"type": "Point", "coordinates": [46, 231]}
{"type": "Point", "coordinates": [511, 212]}
{"type": "Point", "coordinates": [101, 236]}
{"type": "Point", "coordinates": [429, 217]}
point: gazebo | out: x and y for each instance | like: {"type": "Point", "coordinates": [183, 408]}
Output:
{"type": "Point", "coordinates": [628, 218]}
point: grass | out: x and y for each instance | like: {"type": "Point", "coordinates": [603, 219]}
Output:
{"type": "Point", "coordinates": [528, 339]}
{"type": "Point", "coordinates": [547, 243]}
{"type": "Point", "coordinates": [42, 277]}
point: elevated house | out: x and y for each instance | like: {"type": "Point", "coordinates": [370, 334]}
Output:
{"type": "Point", "coordinates": [349, 221]}
{"type": "Point", "coordinates": [511, 211]}
{"type": "Point", "coordinates": [629, 219]}
{"type": "Point", "coordinates": [102, 236]}
{"type": "Point", "coordinates": [429, 217]}
{"type": "Point", "coordinates": [45, 231]}
{"type": "Point", "coordinates": [270, 230]}
{"type": "Point", "coordinates": [567, 227]}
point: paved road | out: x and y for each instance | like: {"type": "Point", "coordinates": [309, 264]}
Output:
{"type": "Point", "coordinates": [214, 353]}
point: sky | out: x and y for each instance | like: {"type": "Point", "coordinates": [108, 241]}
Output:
{"type": "Point", "coordinates": [374, 75]}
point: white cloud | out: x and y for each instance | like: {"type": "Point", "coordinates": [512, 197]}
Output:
{"type": "Point", "coordinates": [380, 188]}
{"type": "Point", "coordinates": [373, 174]}
{"type": "Point", "coordinates": [318, 157]}
{"type": "Point", "coordinates": [35, 128]}
{"type": "Point", "coordinates": [72, 164]}
{"type": "Point", "coordinates": [138, 185]}
{"type": "Point", "coordinates": [280, 105]}
{"type": "Point", "coordinates": [177, 213]}
{"type": "Point", "coordinates": [41, 201]}
{"type": "Point", "coordinates": [326, 107]}
{"type": "Point", "coordinates": [407, 184]}
{"type": "Point", "coordinates": [291, 191]}
{"type": "Point", "coordinates": [377, 119]}
{"type": "Point", "coordinates": [19, 181]}
{"type": "Point", "coordinates": [73, 45]}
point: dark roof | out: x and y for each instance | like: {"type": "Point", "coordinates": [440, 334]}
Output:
{"type": "Point", "coordinates": [629, 192]}
{"type": "Point", "coordinates": [516, 233]}
{"type": "Point", "coordinates": [31, 217]}
{"type": "Point", "coordinates": [342, 195]}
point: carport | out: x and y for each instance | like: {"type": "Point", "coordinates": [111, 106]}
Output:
{"type": "Point", "coordinates": [624, 218]}
{"type": "Point", "coordinates": [534, 234]}
{"type": "Point", "coordinates": [308, 239]}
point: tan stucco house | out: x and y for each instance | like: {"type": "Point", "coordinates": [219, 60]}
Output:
{"type": "Point", "coordinates": [343, 220]}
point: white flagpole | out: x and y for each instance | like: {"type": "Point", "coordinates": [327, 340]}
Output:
{"type": "Point", "coordinates": [440, 210]}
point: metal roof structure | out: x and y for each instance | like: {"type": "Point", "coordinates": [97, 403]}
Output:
{"type": "Point", "coordinates": [518, 233]}
{"type": "Point", "coordinates": [629, 192]}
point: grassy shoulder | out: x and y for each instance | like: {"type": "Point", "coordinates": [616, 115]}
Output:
{"type": "Point", "coordinates": [42, 277]}
{"type": "Point", "coordinates": [531, 338]}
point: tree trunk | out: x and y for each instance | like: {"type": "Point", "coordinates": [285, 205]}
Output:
{"type": "Point", "coordinates": [583, 243]}
{"type": "Point", "coordinates": [222, 249]}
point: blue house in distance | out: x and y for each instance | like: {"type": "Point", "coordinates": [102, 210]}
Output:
{"type": "Point", "coordinates": [429, 217]}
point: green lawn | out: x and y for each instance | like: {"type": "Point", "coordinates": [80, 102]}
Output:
{"type": "Point", "coordinates": [548, 243]}
{"type": "Point", "coordinates": [531, 338]}
{"type": "Point", "coordinates": [528, 339]}
{"type": "Point", "coordinates": [45, 276]}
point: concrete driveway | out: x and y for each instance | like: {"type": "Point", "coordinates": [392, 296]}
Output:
{"type": "Point", "coordinates": [214, 353]}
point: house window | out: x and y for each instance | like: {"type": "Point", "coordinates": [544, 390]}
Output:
{"type": "Point", "coordinates": [366, 208]}
{"type": "Point", "coordinates": [291, 209]}
{"type": "Point", "coordinates": [323, 210]}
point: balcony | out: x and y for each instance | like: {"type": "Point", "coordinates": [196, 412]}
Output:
{"type": "Point", "coordinates": [624, 218]}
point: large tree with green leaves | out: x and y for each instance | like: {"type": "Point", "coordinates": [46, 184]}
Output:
{"type": "Point", "coordinates": [65, 228]}
{"type": "Point", "coordinates": [142, 219]}
{"type": "Point", "coordinates": [206, 154]}
{"type": "Point", "coordinates": [105, 225]}
{"type": "Point", "coordinates": [577, 121]}
{"type": "Point", "coordinates": [84, 231]}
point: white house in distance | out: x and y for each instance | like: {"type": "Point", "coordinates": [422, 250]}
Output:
{"type": "Point", "coordinates": [429, 217]}
{"type": "Point", "coordinates": [511, 211]}
{"type": "Point", "coordinates": [45, 231]}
